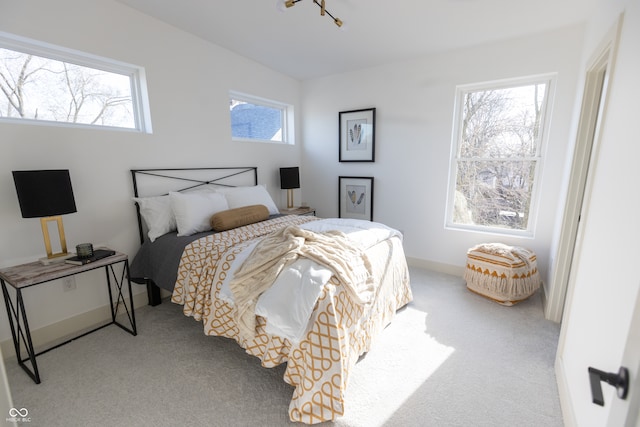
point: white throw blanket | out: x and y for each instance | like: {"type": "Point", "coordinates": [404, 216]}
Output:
{"type": "Point", "coordinates": [274, 252]}
{"type": "Point", "coordinates": [301, 260]}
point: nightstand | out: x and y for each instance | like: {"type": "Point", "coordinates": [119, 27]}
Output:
{"type": "Point", "coordinates": [303, 210]}
{"type": "Point", "coordinates": [31, 275]}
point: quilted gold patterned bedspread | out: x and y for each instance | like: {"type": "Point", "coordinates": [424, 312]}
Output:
{"type": "Point", "coordinates": [340, 329]}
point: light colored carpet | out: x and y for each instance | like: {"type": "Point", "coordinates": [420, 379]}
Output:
{"type": "Point", "coordinates": [450, 358]}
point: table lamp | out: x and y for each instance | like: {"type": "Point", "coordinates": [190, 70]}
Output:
{"type": "Point", "coordinates": [46, 194]}
{"type": "Point", "coordinates": [289, 179]}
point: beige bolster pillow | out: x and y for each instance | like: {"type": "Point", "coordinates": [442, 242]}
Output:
{"type": "Point", "coordinates": [237, 217]}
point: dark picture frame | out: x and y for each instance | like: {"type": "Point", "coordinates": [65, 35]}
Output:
{"type": "Point", "coordinates": [357, 135]}
{"type": "Point", "coordinates": [355, 197]}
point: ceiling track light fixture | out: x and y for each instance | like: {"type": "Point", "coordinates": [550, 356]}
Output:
{"type": "Point", "coordinates": [321, 5]}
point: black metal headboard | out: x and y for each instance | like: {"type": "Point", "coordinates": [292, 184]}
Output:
{"type": "Point", "coordinates": [158, 182]}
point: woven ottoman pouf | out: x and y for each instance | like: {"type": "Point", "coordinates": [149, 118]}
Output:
{"type": "Point", "coordinates": [502, 273]}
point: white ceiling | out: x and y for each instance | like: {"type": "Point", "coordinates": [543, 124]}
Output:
{"type": "Point", "coordinates": [301, 43]}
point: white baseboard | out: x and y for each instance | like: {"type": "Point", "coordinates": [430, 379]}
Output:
{"type": "Point", "coordinates": [59, 332]}
{"type": "Point", "coordinates": [453, 270]}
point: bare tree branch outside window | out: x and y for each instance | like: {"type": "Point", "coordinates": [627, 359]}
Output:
{"type": "Point", "coordinates": [38, 88]}
{"type": "Point", "coordinates": [498, 155]}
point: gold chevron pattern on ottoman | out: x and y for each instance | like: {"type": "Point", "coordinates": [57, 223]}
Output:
{"type": "Point", "coordinates": [502, 273]}
{"type": "Point", "coordinates": [340, 330]}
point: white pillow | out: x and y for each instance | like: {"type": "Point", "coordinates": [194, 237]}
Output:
{"type": "Point", "coordinates": [238, 197]}
{"type": "Point", "coordinates": [193, 210]}
{"type": "Point", "coordinates": [157, 215]}
{"type": "Point", "coordinates": [205, 188]}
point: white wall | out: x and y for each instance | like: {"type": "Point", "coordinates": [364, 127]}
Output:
{"type": "Point", "coordinates": [188, 81]}
{"type": "Point", "coordinates": [414, 118]}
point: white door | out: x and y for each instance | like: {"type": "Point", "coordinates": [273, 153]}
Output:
{"type": "Point", "coordinates": [600, 325]}
{"type": "Point", "coordinates": [627, 412]}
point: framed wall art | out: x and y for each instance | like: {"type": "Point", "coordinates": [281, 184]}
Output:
{"type": "Point", "coordinates": [357, 135]}
{"type": "Point", "coordinates": [355, 197]}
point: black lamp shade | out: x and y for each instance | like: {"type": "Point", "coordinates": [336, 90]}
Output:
{"type": "Point", "coordinates": [44, 193]}
{"type": "Point", "coordinates": [289, 178]}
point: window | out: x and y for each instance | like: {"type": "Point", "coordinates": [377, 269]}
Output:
{"type": "Point", "coordinates": [496, 155]}
{"type": "Point", "coordinates": [41, 83]}
{"type": "Point", "coordinates": [256, 119]}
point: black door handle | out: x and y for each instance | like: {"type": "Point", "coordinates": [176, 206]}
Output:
{"type": "Point", "coordinates": [620, 381]}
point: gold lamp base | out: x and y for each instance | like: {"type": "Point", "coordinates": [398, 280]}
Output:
{"type": "Point", "coordinates": [290, 198]}
{"type": "Point", "coordinates": [63, 254]}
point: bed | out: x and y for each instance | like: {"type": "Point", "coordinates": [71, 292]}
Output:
{"type": "Point", "coordinates": [310, 292]}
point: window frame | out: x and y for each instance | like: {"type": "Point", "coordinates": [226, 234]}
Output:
{"type": "Point", "coordinates": [136, 74]}
{"type": "Point", "coordinates": [461, 91]}
{"type": "Point", "coordinates": [287, 114]}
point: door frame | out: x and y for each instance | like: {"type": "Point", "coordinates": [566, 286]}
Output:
{"type": "Point", "coordinates": [585, 154]}
{"type": "Point", "coordinates": [592, 114]}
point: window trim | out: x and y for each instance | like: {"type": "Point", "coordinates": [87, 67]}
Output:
{"type": "Point", "coordinates": [136, 74]}
{"type": "Point", "coordinates": [461, 91]}
{"type": "Point", "coordinates": [288, 137]}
